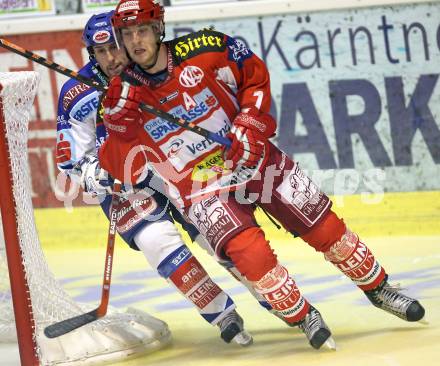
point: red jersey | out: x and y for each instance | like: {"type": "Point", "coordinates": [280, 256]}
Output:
{"type": "Point", "coordinates": [211, 77]}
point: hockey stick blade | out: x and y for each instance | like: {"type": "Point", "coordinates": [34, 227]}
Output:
{"type": "Point", "coordinates": [68, 325]}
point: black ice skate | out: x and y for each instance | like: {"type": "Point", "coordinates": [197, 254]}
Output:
{"type": "Point", "coordinates": [388, 298]}
{"type": "Point", "coordinates": [316, 331]}
{"type": "Point", "coordinates": [232, 329]}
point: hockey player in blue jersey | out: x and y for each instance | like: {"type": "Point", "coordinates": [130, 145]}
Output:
{"type": "Point", "coordinates": [145, 221]}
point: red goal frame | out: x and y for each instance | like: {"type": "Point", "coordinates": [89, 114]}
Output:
{"type": "Point", "coordinates": [24, 320]}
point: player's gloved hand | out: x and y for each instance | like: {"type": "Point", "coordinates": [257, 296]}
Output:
{"type": "Point", "coordinates": [249, 136]}
{"type": "Point", "coordinates": [94, 179]}
{"type": "Point", "coordinates": [122, 115]}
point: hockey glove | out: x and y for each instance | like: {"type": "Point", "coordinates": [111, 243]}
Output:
{"type": "Point", "coordinates": [122, 115]}
{"type": "Point", "coordinates": [94, 179]}
{"type": "Point", "coordinates": [249, 136]}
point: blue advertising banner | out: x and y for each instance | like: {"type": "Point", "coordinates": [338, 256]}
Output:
{"type": "Point", "coordinates": [356, 92]}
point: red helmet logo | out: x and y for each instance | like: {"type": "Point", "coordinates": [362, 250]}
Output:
{"type": "Point", "coordinates": [129, 5]}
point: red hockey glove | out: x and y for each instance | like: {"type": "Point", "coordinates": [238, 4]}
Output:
{"type": "Point", "coordinates": [122, 115]}
{"type": "Point", "coordinates": [249, 136]}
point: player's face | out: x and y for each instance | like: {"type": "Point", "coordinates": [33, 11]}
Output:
{"type": "Point", "coordinates": [111, 59]}
{"type": "Point", "coordinates": [141, 43]}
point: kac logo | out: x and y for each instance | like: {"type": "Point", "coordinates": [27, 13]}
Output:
{"type": "Point", "coordinates": [191, 76]}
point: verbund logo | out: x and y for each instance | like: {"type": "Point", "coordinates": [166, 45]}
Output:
{"type": "Point", "coordinates": [175, 147]}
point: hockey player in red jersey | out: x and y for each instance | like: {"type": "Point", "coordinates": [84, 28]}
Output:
{"type": "Point", "coordinates": [145, 222]}
{"type": "Point", "coordinates": [215, 82]}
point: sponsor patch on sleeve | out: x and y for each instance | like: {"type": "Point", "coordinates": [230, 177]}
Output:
{"type": "Point", "coordinates": [238, 51]}
{"type": "Point", "coordinates": [71, 95]}
{"type": "Point", "coordinates": [85, 106]}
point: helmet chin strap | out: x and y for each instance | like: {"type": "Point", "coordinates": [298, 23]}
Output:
{"type": "Point", "coordinates": [102, 76]}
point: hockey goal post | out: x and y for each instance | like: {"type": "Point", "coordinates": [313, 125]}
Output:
{"type": "Point", "coordinates": [30, 296]}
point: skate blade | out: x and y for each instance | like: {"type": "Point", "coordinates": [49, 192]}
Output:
{"type": "Point", "coordinates": [243, 338]}
{"type": "Point", "coordinates": [423, 321]}
{"type": "Point", "coordinates": [330, 344]}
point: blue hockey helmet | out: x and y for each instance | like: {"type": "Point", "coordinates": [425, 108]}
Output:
{"type": "Point", "coordinates": [98, 31]}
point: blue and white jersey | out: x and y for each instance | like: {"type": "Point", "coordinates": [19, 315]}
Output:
{"type": "Point", "coordinates": [78, 132]}
{"type": "Point", "coordinates": [81, 132]}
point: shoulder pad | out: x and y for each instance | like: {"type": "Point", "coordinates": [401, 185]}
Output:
{"type": "Point", "coordinates": [72, 88]}
{"type": "Point", "coordinates": [194, 44]}
{"type": "Point", "coordinates": [72, 93]}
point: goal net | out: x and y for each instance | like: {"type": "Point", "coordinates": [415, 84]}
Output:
{"type": "Point", "coordinates": [39, 300]}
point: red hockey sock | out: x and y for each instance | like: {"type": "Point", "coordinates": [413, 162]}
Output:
{"type": "Point", "coordinates": [344, 249]}
{"type": "Point", "coordinates": [281, 292]}
{"type": "Point", "coordinates": [354, 259]}
{"type": "Point", "coordinates": [254, 259]}
{"type": "Point", "coordinates": [325, 233]}
{"type": "Point", "coordinates": [251, 253]}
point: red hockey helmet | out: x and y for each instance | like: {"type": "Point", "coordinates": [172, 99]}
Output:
{"type": "Point", "coordinates": [132, 12]}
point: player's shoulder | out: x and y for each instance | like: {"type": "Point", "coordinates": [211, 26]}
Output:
{"type": "Point", "coordinates": [74, 90]}
{"type": "Point", "coordinates": [196, 43]}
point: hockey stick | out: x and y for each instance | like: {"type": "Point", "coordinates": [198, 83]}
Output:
{"type": "Point", "coordinates": [94, 84]}
{"type": "Point", "coordinates": [67, 325]}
